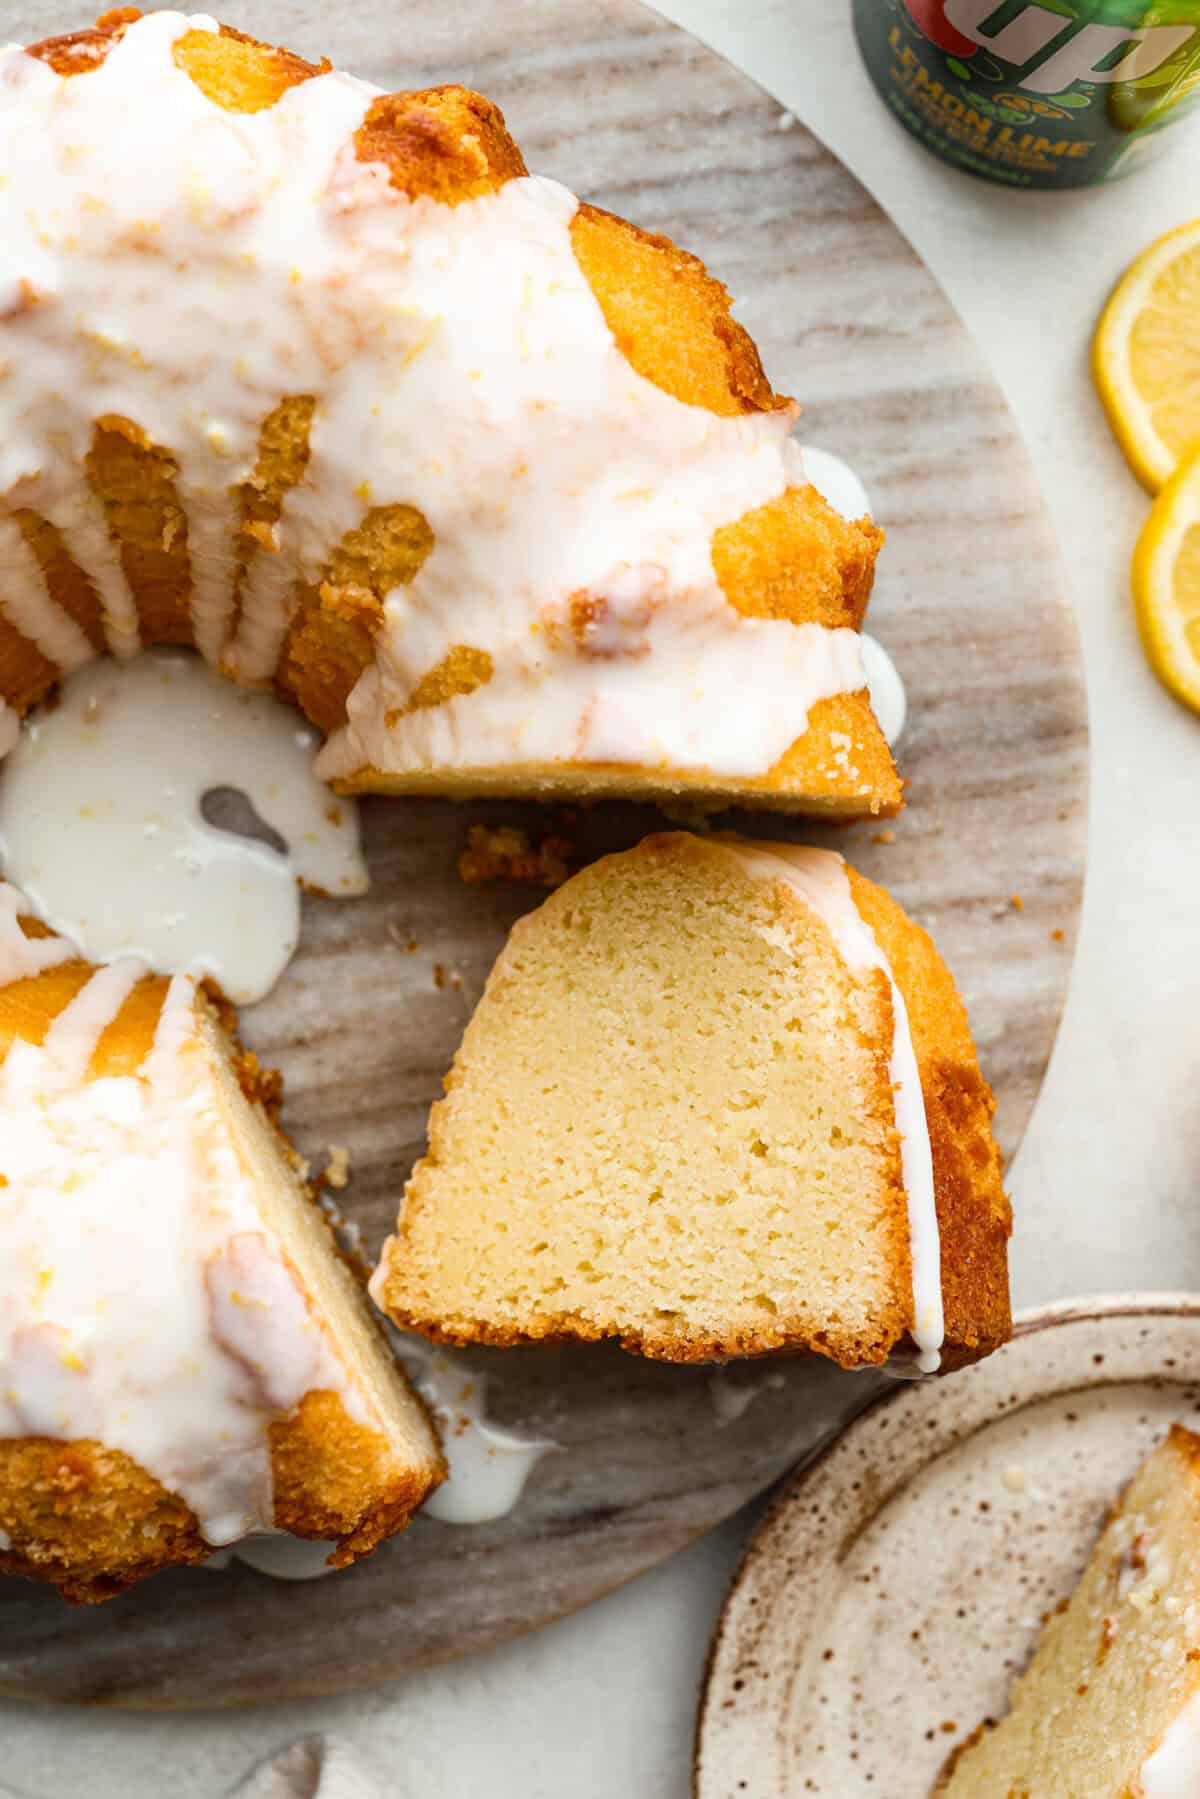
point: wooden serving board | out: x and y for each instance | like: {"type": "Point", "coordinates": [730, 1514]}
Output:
{"type": "Point", "coordinates": [972, 602]}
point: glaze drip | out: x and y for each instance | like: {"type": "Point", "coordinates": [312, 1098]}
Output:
{"type": "Point", "coordinates": [458, 353]}
{"type": "Point", "coordinates": [838, 483]}
{"type": "Point", "coordinates": [20, 956]}
{"type": "Point", "coordinates": [819, 878]}
{"type": "Point", "coordinates": [142, 1303]}
{"type": "Point", "coordinates": [113, 778]}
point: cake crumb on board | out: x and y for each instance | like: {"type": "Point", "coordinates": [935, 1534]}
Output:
{"type": "Point", "coordinates": [337, 1169]}
{"type": "Point", "coordinates": [502, 853]}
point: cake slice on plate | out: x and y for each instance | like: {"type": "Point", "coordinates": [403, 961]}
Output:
{"type": "Point", "coordinates": [719, 1098]}
{"type": "Point", "coordinates": [184, 1358]}
{"type": "Point", "coordinates": [1109, 1707]}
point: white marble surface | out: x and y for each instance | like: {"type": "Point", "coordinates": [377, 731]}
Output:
{"type": "Point", "coordinates": [1105, 1186]}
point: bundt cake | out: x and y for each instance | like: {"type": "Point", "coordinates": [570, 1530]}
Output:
{"type": "Point", "coordinates": [184, 1359]}
{"type": "Point", "coordinates": [719, 1098]}
{"type": "Point", "coordinates": [319, 380]}
{"type": "Point", "coordinates": [1109, 1707]}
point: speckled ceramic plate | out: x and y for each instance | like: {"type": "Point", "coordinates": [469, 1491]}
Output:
{"type": "Point", "coordinates": [899, 1582]}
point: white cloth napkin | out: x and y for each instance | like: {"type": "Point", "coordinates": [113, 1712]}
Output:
{"type": "Point", "coordinates": [313, 1768]}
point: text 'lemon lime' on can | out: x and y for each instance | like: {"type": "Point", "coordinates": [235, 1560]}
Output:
{"type": "Point", "coordinates": [1035, 93]}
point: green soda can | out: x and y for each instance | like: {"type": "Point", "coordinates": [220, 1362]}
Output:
{"type": "Point", "coordinates": [1035, 93]}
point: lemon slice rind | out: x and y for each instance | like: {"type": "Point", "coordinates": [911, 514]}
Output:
{"type": "Point", "coordinates": [1162, 621]}
{"type": "Point", "coordinates": [1151, 460]}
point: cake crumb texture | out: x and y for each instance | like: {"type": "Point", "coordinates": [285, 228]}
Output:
{"type": "Point", "coordinates": [671, 1122]}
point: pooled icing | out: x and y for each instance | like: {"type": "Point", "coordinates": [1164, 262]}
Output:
{"type": "Point", "coordinates": [487, 1464]}
{"type": "Point", "coordinates": [458, 354]}
{"type": "Point", "coordinates": [113, 778]}
{"type": "Point", "coordinates": [1173, 1770]}
{"type": "Point", "coordinates": [819, 878]}
{"type": "Point", "coordinates": [142, 1304]}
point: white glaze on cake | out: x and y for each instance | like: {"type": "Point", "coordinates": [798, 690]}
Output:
{"type": "Point", "coordinates": [819, 878]}
{"type": "Point", "coordinates": [22, 956]}
{"type": "Point", "coordinates": [112, 779]}
{"type": "Point", "coordinates": [142, 1302]}
{"type": "Point", "coordinates": [1173, 1770]}
{"type": "Point", "coordinates": [843, 488]}
{"type": "Point", "coordinates": [456, 353]}
{"type": "Point", "coordinates": [889, 701]}
{"type": "Point", "coordinates": [281, 1556]}
{"type": "Point", "coordinates": [71, 1041]}
{"type": "Point", "coordinates": [487, 1464]}
{"type": "Point", "coordinates": [26, 603]}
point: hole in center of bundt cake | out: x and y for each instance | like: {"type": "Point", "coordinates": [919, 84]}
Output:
{"type": "Point", "coordinates": [228, 809]}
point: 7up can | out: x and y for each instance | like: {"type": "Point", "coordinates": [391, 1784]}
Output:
{"type": "Point", "coordinates": [1035, 93]}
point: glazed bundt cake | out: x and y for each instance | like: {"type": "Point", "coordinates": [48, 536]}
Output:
{"type": "Point", "coordinates": [184, 1359]}
{"type": "Point", "coordinates": [719, 1098]}
{"type": "Point", "coordinates": [1109, 1707]}
{"type": "Point", "coordinates": [321, 381]}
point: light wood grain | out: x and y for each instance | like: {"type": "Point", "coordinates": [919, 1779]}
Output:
{"type": "Point", "coordinates": [971, 600]}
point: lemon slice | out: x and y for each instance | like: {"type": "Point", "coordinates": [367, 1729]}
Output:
{"type": "Point", "coordinates": [1146, 355]}
{"type": "Point", "coordinates": [1166, 584]}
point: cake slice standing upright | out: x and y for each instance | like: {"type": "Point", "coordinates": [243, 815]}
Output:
{"type": "Point", "coordinates": [719, 1098]}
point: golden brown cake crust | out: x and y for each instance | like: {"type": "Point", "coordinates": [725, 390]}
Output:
{"type": "Point", "coordinates": [827, 575]}
{"type": "Point", "coordinates": [792, 558]}
{"type": "Point", "coordinates": [806, 778]}
{"type": "Point", "coordinates": [670, 317]}
{"type": "Point", "coordinates": [87, 1519]}
{"type": "Point", "coordinates": [974, 1216]}
{"type": "Point", "coordinates": [74, 52]}
{"type": "Point", "coordinates": [323, 1463]}
{"type": "Point", "coordinates": [446, 143]}
{"type": "Point", "coordinates": [65, 580]}
{"type": "Point", "coordinates": [90, 1521]}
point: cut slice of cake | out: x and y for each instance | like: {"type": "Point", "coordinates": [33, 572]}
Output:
{"type": "Point", "coordinates": [719, 1098]}
{"type": "Point", "coordinates": [1109, 1707]}
{"type": "Point", "coordinates": [184, 1358]}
